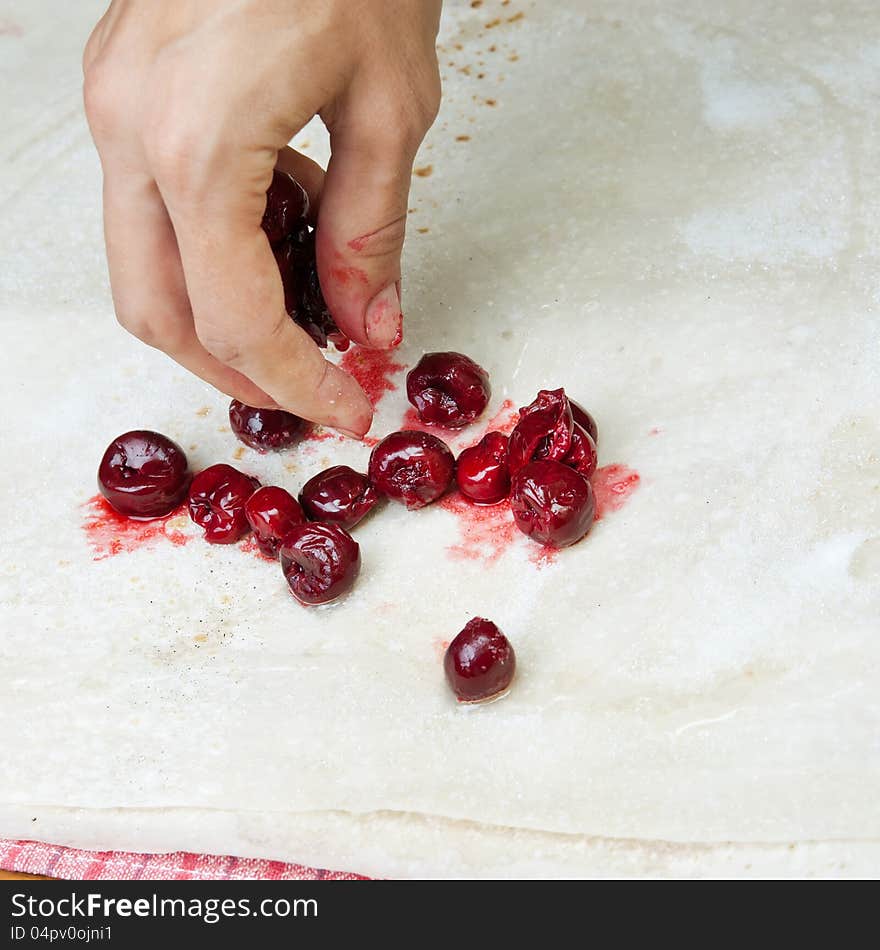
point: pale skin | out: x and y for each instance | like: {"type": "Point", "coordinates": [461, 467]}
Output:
{"type": "Point", "coordinates": [191, 104]}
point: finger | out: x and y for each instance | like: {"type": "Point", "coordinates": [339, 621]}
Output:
{"type": "Point", "coordinates": [361, 229]}
{"type": "Point", "coordinates": [238, 302]}
{"type": "Point", "coordinates": [149, 291]}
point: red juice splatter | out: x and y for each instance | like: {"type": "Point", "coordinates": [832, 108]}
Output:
{"type": "Point", "coordinates": [373, 369]}
{"type": "Point", "coordinates": [411, 420]}
{"type": "Point", "coordinates": [542, 556]}
{"type": "Point", "coordinates": [486, 531]}
{"type": "Point", "coordinates": [505, 419]}
{"type": "Point", "coordinates": [319, 434]}
{"type": "Point", "coordinates": [110, 533]}
{"type": "Point", "coordinates": [249, 546]}
{"type": "Point", "coordinates": [613, 484]}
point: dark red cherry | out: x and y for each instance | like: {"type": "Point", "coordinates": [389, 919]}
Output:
{"type": "Point", "coordinates": [272, 513]}
{"type": "Point", "coordinates": [448, 389]}
{"type": "Point", "coordinates": [217, 498]}
{"type": "Point", "coordinates": [338, 495]}
{"type": "Point", "coordinates": [414, 468]}
{"type": "Point", "coordinates": [266, 430]}
{"type": "Point", "coordinates": [287, 206]}
{"type": "Point", "coordinates": [583, 455]}
{"type": "Point", "coordinates": [544, 430]}
{"type": "Point", "coordinates": [552, 503]}
{"type": "Point", "coordinates": [143, 474]}
{"type": "Point", "coordinates": [479, 663]}
{"type": "Point", "coordinates": [584, 420]}
{"type": "Point", "coordinates": [303, 298]}
{"type": "Point", "coordinates": [481, 471]}
{"type": "Point", "coordinates": [320, 562]}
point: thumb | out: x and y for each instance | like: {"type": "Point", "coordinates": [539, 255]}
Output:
{"type": "Point", "coordinates": [360, 235]}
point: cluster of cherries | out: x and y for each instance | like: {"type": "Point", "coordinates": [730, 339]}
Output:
{"type": "Point", "coordinates": [543, 468]}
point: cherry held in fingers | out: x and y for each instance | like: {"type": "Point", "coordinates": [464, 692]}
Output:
{"type": "Point", "coordinates": [414, 468]}
{"type": "Point", "coordinates": [448, 389]}
{"type": "Point", "coordinates": [338, 495]}
{"type": "Point", "coordinates": [479, 663]}
{"type": "Point", "coordinates": [552, 503]}
{"type": "Point", "coordinates": [320, 562]}
{"type": "Point", "coordinates": [287, 206]}
{"type": "Point", "coordinates": [217, 498]}
{"type": "Point", "coordinates": [266, 430]}
{"type": "Point", "coordinates": [481, 471]}
{"type": "Point", "coordinates": [272, 513]}
{"type": "Point", "coordinates": [143, 474]}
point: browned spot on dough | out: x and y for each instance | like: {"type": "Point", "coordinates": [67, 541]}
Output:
{"type": "Point", "coordinates": [491, 102]}
{"type": "Point", "coordinates": [425, 171]}
{"type": "Point", "coordinates": [203, 411]}
{"type": "Point", "coordinates": [423, 230]}
{"type": "Point", "coordinates": [462, 138]}
{"type": "Point", "coordinates": [201, 638]}
{"type": "Point", "coordinates": [238, 454]}
{"type": "Point", "coordinates": [493, 23]}
{"type": "Point", "coordinates": [515, 17]}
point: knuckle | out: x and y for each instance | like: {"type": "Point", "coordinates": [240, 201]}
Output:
{"type": "Point", "coordinates": [223, 344]}
{"type": "Point", "coordinates": [170, 145]}
{"type": "Point", "coordinates": [163, 333]}
{"type": "Point", "coordinates": [101, 98]}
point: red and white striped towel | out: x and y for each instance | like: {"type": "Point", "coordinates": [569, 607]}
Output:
{"type": "Point", "coordinates": [34, 857]}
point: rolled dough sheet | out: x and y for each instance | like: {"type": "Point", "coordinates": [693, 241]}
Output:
{"type": "Point", "coordinates": [673, 214]}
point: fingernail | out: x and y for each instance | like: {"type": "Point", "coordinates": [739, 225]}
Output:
{"type": "Point", "coordinates": [384, 321]}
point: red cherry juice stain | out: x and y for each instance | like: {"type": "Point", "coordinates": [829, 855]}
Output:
{"type": "Point", "coordinates": [110, 533]}
{"type": "Point", "coordinates": [542, 556]}
{"type": "Point", "coordinates": [505, 419]}
{"type": "Point", "coordinates": [344, 275]}
{"type": "Point", "coordinates": [319, 434]}
{"type": "Point", "coordinates": [440, 648]}
{"type": "Point", "coordinates": [613, 485]}
{"type": "Point", "coordinates": [249, 546]}
{"type": "Point", "coordinates": [412, 421]}
{"type": "Point", "coordinates": [373, 369]}
{"type": "Point", "coordinates": [486, 531]}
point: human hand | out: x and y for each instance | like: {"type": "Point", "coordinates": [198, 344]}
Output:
{"type": "Point", "coordinates": [191, 104]}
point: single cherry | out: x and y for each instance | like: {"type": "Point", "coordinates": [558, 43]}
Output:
{"type": "Point", "coordinates": [583, 456]}
{"type": "Point", "coordinates": [338, 495]}
{"type": "Point", "coordinates": [414, 468]}
{"type": "Point", "coordinates": [543, 431]}
{"type": "Point", "coordinates": [480, 662]}
{"type": "Point", "coordinates": [303, 298]}
{"type": "Point", "coordinates": [320, 562]}
{"type": "Point", "coordinates": [265, 429]}
{"type": "Point", "coordinates": [482, 472]}
{"type": "Point", "coordinates": [143, 474]}
{"type": "Point", "coordinates": [552, 503]}
{"type": "Point", "coordinates": [287, 206]}
{"type": "Point", "coordinates": [272, 513]}
{"type": "Point", "coordinates": [448, 389]}
{"type": "Point", "coordinates": [217, 498]}
{"type": "Point", "coordinates": [584, 419]}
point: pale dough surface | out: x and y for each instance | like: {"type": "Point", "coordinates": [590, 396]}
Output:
{"type": "Point", "coordinates": [672, 213]}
